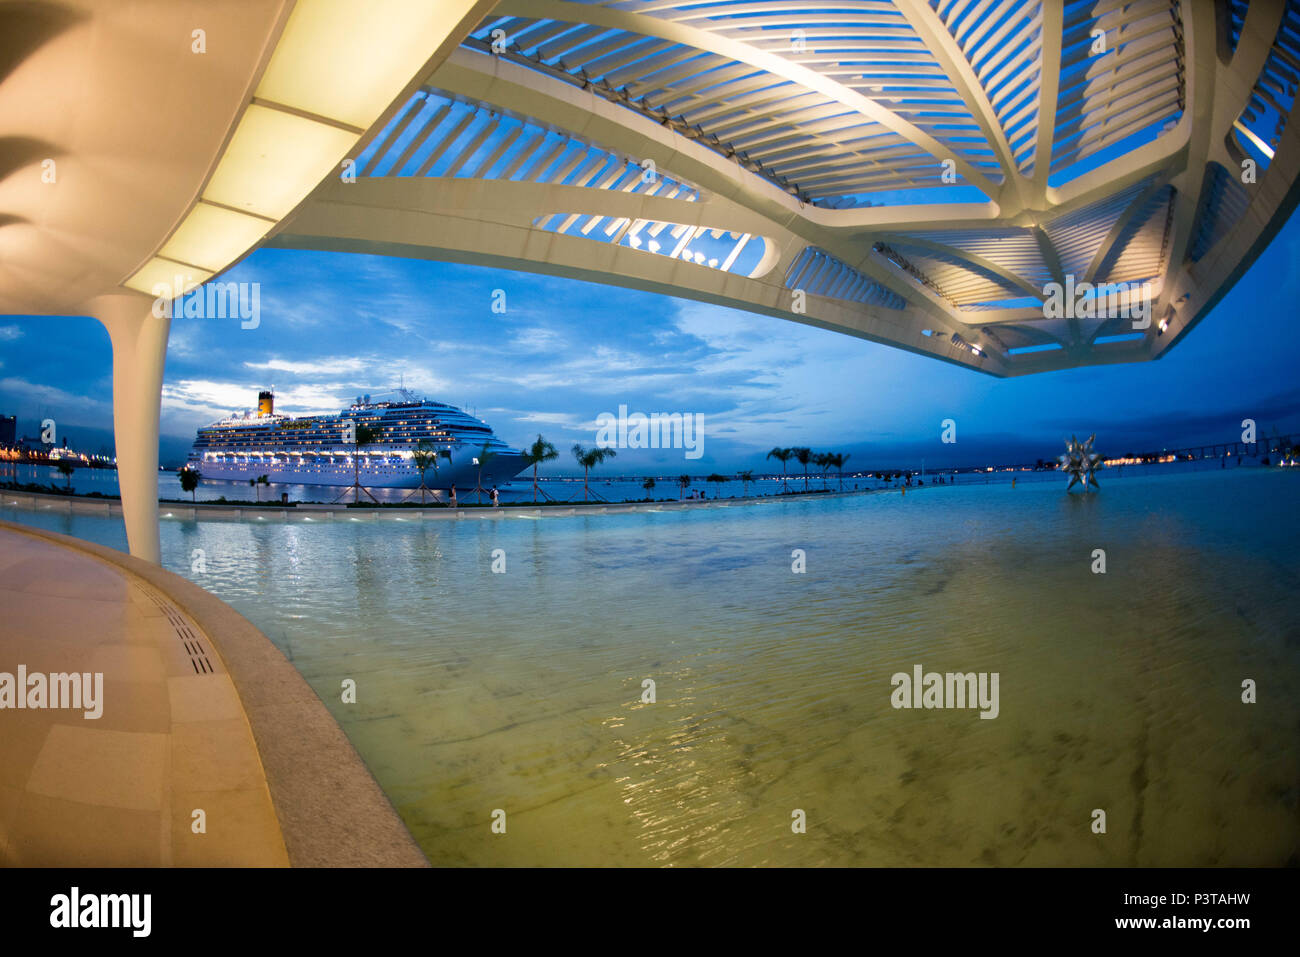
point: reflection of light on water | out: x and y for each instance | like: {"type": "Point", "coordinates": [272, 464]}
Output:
{"type": "Point", "coordinates": [522, 690]}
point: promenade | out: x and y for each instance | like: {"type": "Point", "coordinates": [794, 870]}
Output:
{"type": "Point", "coordinates": [145, 723]}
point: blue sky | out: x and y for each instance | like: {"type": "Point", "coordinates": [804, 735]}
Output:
{"type": "Point", "coordinates": [335, 325]}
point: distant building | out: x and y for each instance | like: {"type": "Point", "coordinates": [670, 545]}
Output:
{"type": "Point", "coordinates": [8, 431]}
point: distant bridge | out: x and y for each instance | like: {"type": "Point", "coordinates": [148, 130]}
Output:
{"type": "Point", "coordinates": [1270, 445]}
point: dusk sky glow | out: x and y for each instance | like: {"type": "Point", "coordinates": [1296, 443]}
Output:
{"type": "Point", "coordinates": [336, 325]}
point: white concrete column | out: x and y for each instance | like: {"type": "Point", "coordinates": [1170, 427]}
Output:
{"type": "Point", "coordinates": [139, 350]}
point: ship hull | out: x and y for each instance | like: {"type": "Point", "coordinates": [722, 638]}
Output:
{"type": "Point", "coordinates": [324, 449]}
{"type": "Point", "coordinates": [500, 470]}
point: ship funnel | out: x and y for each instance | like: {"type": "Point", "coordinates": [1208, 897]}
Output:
{"type": "Point", "coordinates": [265, 403]}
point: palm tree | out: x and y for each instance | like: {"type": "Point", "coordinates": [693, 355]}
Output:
{"type": "Point", "coordinates": [682, 482]}
{"type": "Point", "coordinates": [823, 461]}
{"type": "Point", "coordinates": [257, 483]}
{"type": "Point", "coordinates": [189, 480]}
{"type": "Point", "coordinates": [838, 460]}
{"type": "Point", "coordinates": [716, 478]}
{"type": "Point", "coordinates": [480, 460]}
{"type": "Point", "coordinates": [66, 468]}
{"type": "Point", "coordinates": [649, 486]}
{"type": "Point", "coordinates": [424, 456]}
{"type": "Point", "coordinates": [589, 459]}
{"type": "Point", "coordinates": [362, 435]}
{"type": "Point", "coordinates": [803, 455]}
{"type": "Point", "coordinates": [745, 478]}
{"type": "Point", "coordinates": [782, 456]}
{"type": "Point", "coordinates": [537, 453]}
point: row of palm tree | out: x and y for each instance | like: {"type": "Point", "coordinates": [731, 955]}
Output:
{"type": "Point", "coordinates": [543, 451]}
{"type": "Point", "coordinates": [829, 460]}
{"type": "Point", "coordinates": [804, 456]}
{"type": "Point", "coordinates": [425, 456]}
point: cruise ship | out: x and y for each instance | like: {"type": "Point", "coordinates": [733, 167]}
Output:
{"type": "Point", "coordinates": [317, 449]}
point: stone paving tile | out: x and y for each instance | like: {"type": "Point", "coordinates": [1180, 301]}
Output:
{"type": "Point", "coordinates": [121, 790]}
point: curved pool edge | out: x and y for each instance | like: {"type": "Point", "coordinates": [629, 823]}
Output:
{"type": "Point", "coordinates": [331, 811]}
{"type": "Point", "coordinates": [301, 512]}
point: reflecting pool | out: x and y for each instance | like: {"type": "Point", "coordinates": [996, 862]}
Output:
{"type": "Point", "coordinates": [522, 689]}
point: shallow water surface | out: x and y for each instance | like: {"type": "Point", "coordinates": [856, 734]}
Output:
{"type": "Point", "coordinates": [522, 690]}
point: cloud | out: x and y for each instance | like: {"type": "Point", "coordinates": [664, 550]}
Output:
{"type": "Point", "coordinates": [334, 366]}
{"type": "Point", "coordinates": [560, 420]}
{"type": "Point", "coordinates": [214, 398]}
{"type": "Point", "coordinates": [534, 339]}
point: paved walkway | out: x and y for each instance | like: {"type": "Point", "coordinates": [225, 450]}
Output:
{"type": "Point", "coordinates": [173, 739]}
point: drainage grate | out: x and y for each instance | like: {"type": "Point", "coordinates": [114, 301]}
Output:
{"type": "Point", "coordinates": [186, 634]}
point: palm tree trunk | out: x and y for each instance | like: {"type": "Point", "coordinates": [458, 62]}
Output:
{"type": "Point", "coordinates": [534, 483]}
{"type": "Point", "coordinates": [584, 483]}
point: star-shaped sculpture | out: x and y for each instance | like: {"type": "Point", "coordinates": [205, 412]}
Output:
{"type": "Point", "coordinates": [1080, 462]}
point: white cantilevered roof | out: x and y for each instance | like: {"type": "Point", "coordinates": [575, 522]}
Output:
{"type": "Point", "coordinates": [923, 173]}
{"type": "Point", "coordinates": [926, 174]}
